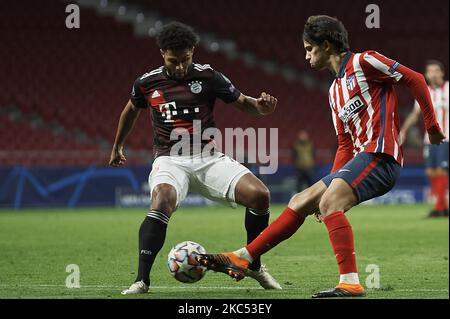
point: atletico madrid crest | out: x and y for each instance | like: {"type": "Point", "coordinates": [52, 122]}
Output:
{"type": "Point", "coordinates": [351, 82]}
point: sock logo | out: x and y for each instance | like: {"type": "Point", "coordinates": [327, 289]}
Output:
{"type": "Point", "coordinates": [145, 252]}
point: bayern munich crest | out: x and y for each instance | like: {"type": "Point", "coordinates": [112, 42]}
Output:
{"type": "Point", "coordinates": [196, 86]}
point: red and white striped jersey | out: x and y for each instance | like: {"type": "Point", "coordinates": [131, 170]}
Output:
{"type": "Point", "coordinates": [364, 103]}
{"type": "Point", "coordinates": [440, 97]}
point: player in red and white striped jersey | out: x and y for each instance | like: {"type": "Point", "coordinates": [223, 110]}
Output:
{"type": "Point", "coordinates": [436, 156]}
{"type": "Point", "coordinates": [368, 159]}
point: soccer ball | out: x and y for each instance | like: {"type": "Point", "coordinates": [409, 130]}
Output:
{"type": "Point", "coordinates": [182, 263]}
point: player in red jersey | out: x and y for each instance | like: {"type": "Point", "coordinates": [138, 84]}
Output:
{"type": "Point", "coordinates": [368, 159]}
{"type": "Point", "coordinates": [436, 156]}
{"type": "Point", "coordinates": [181, 96]}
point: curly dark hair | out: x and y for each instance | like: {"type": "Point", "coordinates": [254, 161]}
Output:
{"type": "Point", "coordinates": [176, 36]}
{"type": "Point", "coordinates": [319, 28]}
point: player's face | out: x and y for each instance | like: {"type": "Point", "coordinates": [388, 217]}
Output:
{"type": "Point", "coordinates": [316, 55]}
{"type": "Point", "coordinates": [434, 75]}
{"type": "Point", "coordinates": [177, 62]}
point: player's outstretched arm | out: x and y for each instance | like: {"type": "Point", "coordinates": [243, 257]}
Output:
{"type": "Point", "coordinates": [418, 88]}
{"type": "Point", "coordinates": [126, 122]}
{"type": "Point", "coordinates": [382, 69]}
{"type": "Point", "coordinates": [264, 105]}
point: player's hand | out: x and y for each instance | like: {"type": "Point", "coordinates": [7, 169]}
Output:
{"type": "Point", "coordinates": [436, 138]}
{"type": "Point", "coordinates": [266, 104]}
{"type": "Point", "coordinates": [117, 158]}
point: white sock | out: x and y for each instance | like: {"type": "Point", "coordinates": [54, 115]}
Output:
{"type": "Point", "coordinates": [243, 253]}
{"type": "Point", "coordinates": [350, 278]}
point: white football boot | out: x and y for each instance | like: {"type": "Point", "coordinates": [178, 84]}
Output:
{"type": "Point", "coordinates": [263, 277]}
{"type": "Point", "coordinates": [139, 287]}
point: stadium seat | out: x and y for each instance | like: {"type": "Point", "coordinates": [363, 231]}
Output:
{"type": "Point", "coordinates": [82, 78]}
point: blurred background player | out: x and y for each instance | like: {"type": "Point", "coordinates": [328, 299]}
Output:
{"type": "Point", "coordinates": [436, 156]}
{"type": "Point", "coordinates": [369, 156]}
{"type": "Point", "coordinates": [177, 94]}
{"type": "Point", "coordinates": [303, 157]}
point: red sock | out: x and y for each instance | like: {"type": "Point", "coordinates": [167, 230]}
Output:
{"type": "Point", "coordinates": [441, 192]}
{"type": "Point", "coordinates": [341, 237]}
{"type": "Point", "coordinates": [445, 190]}
{"type": "Point", "coordinates": [434, 181]}
{"type": "Point", "coordinates": [280, 229]}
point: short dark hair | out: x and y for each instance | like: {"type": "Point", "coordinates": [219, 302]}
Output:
{"type": "Point", "coordinates": [176, 36]}
{"type": "Point", "coordinates": [319, 28]}
{"type": "Point", "coordinates": [435, 62]}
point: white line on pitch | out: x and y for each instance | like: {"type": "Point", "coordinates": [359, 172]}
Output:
{"type": "Point", "coordinates": [199, 287]}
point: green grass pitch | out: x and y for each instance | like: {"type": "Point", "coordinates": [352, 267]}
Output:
{"type": "Point", "coordinates": [410, 250]}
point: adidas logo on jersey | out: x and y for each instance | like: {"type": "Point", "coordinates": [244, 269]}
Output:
{"type": "Point", "coordinates": [157, 98]}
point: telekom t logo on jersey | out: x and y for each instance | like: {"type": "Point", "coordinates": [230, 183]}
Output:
{"type": "Point", "coordinates": [168, 110]}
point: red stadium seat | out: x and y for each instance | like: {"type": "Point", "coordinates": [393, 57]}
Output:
{"type": "Point", "coordinates": [82, 79]}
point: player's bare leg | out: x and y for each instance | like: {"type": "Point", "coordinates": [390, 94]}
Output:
{"type": "Point", "coordinates": [254, 195]}
{"type": "Point", "coordinates": [307, 202]}
{"type": "Point", "coordinates": [152, 234]}
{"type": "Point", "coordinates": [235, 264]}
{"type": "Point", "coordinates": [339, 198]}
